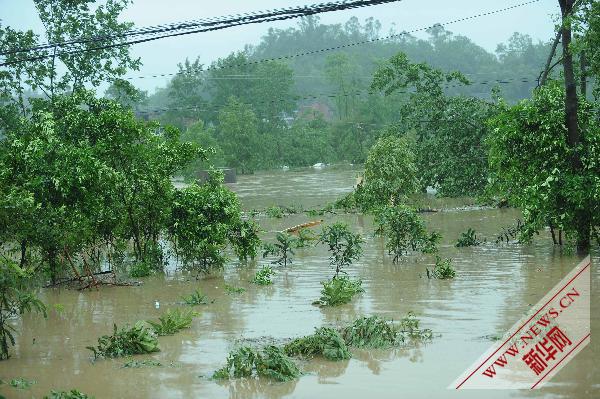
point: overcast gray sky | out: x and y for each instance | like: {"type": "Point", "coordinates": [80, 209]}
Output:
{"type": "Point", "coordinates": [163, 55]}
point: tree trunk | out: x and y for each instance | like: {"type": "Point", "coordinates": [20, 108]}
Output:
{"type": "Point", "coordinates": [573, 136]}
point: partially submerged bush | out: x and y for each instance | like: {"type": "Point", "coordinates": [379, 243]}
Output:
{"type": "Point", "coordinates": [404, 230]}
{"type": "Point", "coordinates": [377, 333]}
{"type": "Point", "coordinates": [244, 239]}
{"type": "Point", "coordinates": [305, 237]}
{"type": "Point", "coordinates": [372, 332]}
{"type": "Point", "coordinates": [72, 394]}
{"type": "Point", "coordinates": [173, 321]}
{"type": "Point", "coordinates": [195, 298]}
{"type": "Point", "coordinates": [282, 248]}
{"type": "Point", "coordinates": [138, 339]}
{"type": "Point", "coordinates": [468, 239]}
{"type": "Point", "coordinates": [140, 269]}
{"type": "Point", "coordinates": [442, 270]}
{"type": "Point", "coordinates": [344, 246]}
{"type": "Point", "coordinates": [339, 290]}
{"type": "Point", "coordinates": [246, 362]}
{"type": "Point", "coordinates": [325, 342]}
{"type": "Point", "coordinates": [409, 325]}
{"type": "Point", "coordinates": [231, 289]}
{"type": "Point", "coordinates": [263, 276]}
{"type": "Point", "coordinates": [275, 212]}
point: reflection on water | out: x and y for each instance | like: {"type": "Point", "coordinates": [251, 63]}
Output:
{"type": "Point", "coordinates": [495, 285]}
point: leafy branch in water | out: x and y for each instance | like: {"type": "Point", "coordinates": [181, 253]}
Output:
{"type": "Point", "coordinates": [405, 231]}
{"type": "Point", "coordinates": [72, 394]}
{"type": "Point", "coordinates": [468, 239]}
{"type": "Point", "coordinates": [338, 291]}
{"type": "Point", "coordinates": [378, 333]}
{"type": "Point", "coordinates": [344, 246]}
{"type": "Point", "coordinates": [247, 362]}
{"type": "Point", "coordinates": [138, 339]}
{"type": "Point", "coordinates": [173, 321]}
{"type": "Point", "coordinates": [282, 248]}
{"type": "Point", "coordinates": [442, 269]}
{"type": "Point", "coordinates": [230, 289]}
{"type": "Point", "coordinates": [263, 276]}
{"type": "Point", "coordinates": [326, 342]}
{"type": "Point", "coordinates": [195, 298]}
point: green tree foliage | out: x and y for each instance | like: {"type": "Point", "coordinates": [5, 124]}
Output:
{"type": "Point", "coordinates": [449, 131]}
{"type": "Point", "coordinates": [390, 173]}
{"type": "Point", "coordinates": [201, 222]}
{"type": "Point", "coordinates": [62, 71]}
{"type": "Point", "coordinates": [238, 135]}
{"type": "Point", "coordinates": [344, 246]}
{"type": "Point", "coordinates": [405, 231]}
{"type": "Point", "coordinates": [531, 163]}
{"type": "Point", "coordinates": [16, 298]}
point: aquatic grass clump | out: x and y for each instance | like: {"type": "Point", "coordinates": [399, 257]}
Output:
{"type": "Point", "coordinates": [372, 332]}
{"type": "Point", "coordinates": [263, 276]}
{"type": "Point", "coordinates": [195, 298]}
{"type": "Point", "coordinates": [136, 340]}
{"type": "Point", "coordinates": [275, 212]}
{"type": "Point", "coordinates": [72, 394]}
{"type": "Point", "coordinates": [136, 364]}
{"type": "Point", "coordinates": [326, 342]}
{"type": "Point", "coordinates": [231, 289]}
{"type": "Point", "coordinates": [468, 239]}
{"type": "Point", "coordinates": [173, 321]}
{"type": "Point", "coordinates": [339, 290]}
{"type": "Point", "coordinates": [442, 269]}
{"type": "Point", "coordinates": [247, 362]}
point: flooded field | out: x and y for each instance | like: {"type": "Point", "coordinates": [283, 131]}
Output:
{"type": "Point", "coordinates": [494, 286]}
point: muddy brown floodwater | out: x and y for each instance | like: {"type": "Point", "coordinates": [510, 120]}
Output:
{"type": "Point", "coordinates": [495, 285]}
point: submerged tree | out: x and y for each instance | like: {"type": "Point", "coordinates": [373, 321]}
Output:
{"type": "Point", "coordinates": [344, 246]}
{"type": "Point", "coordinates": [531, 159]}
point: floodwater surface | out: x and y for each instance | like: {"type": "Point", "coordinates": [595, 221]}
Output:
{"type": "Point", "coordinates": [495, 285]}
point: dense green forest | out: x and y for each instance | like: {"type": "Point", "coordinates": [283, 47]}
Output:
{"type": "Point", "coordinates": [320, 107]}
{"type": "Point", "coordinates": [86, 181]}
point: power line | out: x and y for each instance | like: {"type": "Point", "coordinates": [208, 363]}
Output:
{"type": "Point", "coordinates": [351, 44]}
{"type": "Point", "coordinates": [186, 28]}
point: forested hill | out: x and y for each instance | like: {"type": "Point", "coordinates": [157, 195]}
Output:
{"type": "Point", "coordinates": [519, 59]}
{"type": "Point", "coordinates": [305, 94]}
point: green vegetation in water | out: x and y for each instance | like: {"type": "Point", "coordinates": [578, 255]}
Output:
{"type": "Point", "coordinates": [339, 290]}
{"type": "Point", "coordinates": [326, 342]}
{"type": "Point", "coordinates": [72, 394]}
{"type": "Point", "coordinates": [140, 269]}
{"type": "Point", "coordinates": [231, 289]}
{"type": "Point", "coordinates": [468, 239]}
{"type": "Point", "coordinates": [195, 298]}
{"type": "Point", "coordinates": [378, 333]}
{"type": "Point", "coordinates": [136, 364]}
{"type": "Point", "coordinates": [344, 246]}
{"type": "Point", "coordinates": [282, 249]}
{"type": "Point", "coordinates": [21, 383]}
{"type": "Point", "coordinates": [245, 240]}
{"type": "Point", "coordinates": [263, 276]}
{"type": "Point", "coordinates": [174, 320]}
{"type": "Point", "coordinates": [442, 269]}
{"type": "Point", "coordinates": [409, 326]}
{"type": "Point", "coordinates": [135, 340]}
{"type": "Point", "coordinates": [16, 298]}
{"type": "Point", "coordinates": [274, 212]}
{"type": "Point", "coordinates": [247, 362]}
{"type": "Point", "coordinates": [404, 230]}
{"type": "Point", "coordinates": [372, 332]}
{"type": "Point", "coordinates": [305, 238]}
